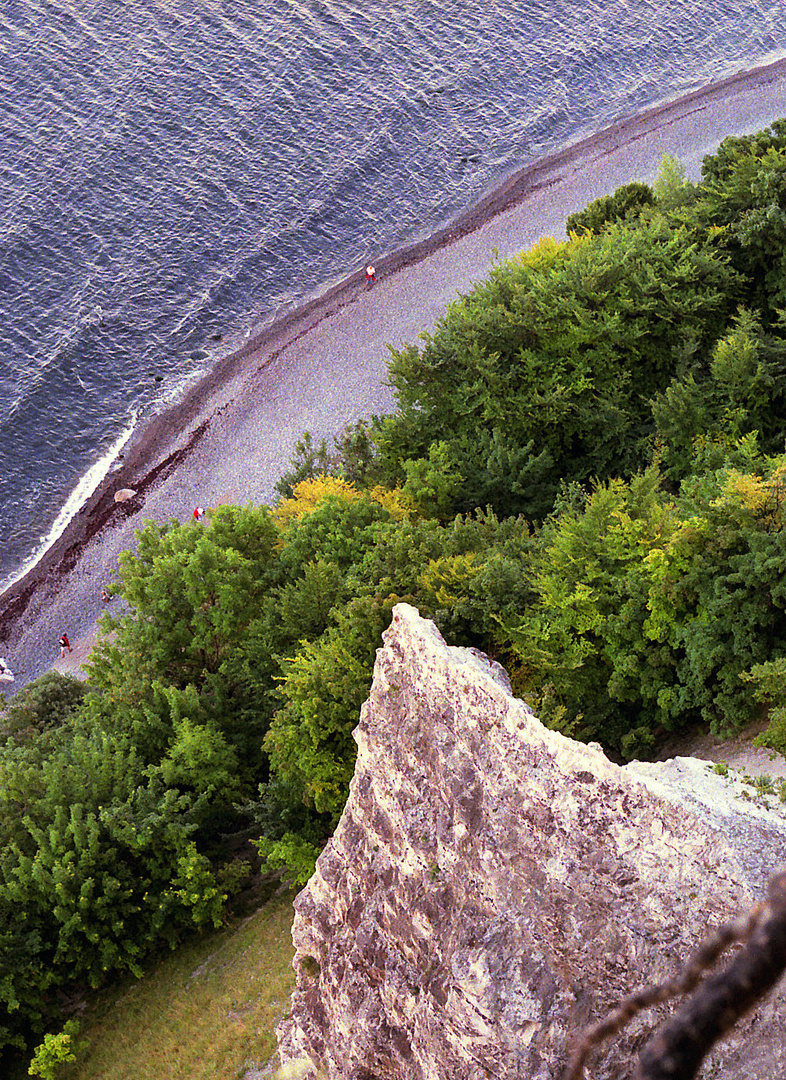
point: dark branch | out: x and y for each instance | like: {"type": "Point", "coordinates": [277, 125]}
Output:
{"type": "Point", "coordinates": [676, 1051]}
{"type": "Point", "coordinates": [678, 1048]}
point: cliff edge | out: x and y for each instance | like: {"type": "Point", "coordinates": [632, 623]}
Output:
{"type": "Point", "coordinates": [493, 887]}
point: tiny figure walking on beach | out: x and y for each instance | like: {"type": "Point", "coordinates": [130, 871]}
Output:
{"type": "Point", "coordinates": [105, 594]}
{"type": "Point", "coordinates": [199, 513]}
{"type": "Point", "coordinates": [371, 275]}
{"type": "Point", "coordinates": [65, 644]}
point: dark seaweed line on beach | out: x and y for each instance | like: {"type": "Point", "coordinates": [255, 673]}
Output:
{"type": "Point", "coordinates": [150, 458]}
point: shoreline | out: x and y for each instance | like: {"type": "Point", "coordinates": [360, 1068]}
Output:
{"type": "Point", "coordinates": [221, 406]}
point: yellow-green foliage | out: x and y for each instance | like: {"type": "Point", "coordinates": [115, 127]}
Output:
{"type": "Point", "coordinates": [57, 1050]}
{"type": "Point", "coordinates": [546, 253]}
{"type": "Point", "coordinates": [308, 494]}
{"type": "Point", "coordinates": [444, 580]}
{"type": "Point", "coordinates": [748, 497]}
{"type": "Point", "coordinates": [651, 611]}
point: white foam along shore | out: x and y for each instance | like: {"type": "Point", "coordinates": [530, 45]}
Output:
{"type": "Point", "coordinates": [85, 487]}
{"type": "Point", "coordinates": [90, 481]}
{"type": "Point", "coordinates": [325, 363]}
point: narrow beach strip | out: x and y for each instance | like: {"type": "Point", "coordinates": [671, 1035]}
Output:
{"type": "Point", "coordinates": [324, 363]}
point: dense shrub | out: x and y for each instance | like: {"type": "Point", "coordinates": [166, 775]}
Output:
{"type": "Point", "coordinates": [627, 201]}
{"type": "Point", "coordinates": [547, 370]}
{"type": "Point", "coordinates": [46, 702]}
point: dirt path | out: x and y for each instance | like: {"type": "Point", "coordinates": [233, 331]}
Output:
{"type": "Point", "coordinates": [738, 753]}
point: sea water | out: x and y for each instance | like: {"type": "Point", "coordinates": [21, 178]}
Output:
{"type": "Point", "coordinates": [176, 171]}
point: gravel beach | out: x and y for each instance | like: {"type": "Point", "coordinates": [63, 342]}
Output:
{"type": "Point", "coordinates": [320, 366]}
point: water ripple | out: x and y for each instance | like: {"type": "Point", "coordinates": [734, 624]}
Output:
{"type": "Point", "coordinates": [168, 166]}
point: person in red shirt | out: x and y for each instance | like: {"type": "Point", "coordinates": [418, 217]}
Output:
{"type": "Point", "coordinates": [65, 644]}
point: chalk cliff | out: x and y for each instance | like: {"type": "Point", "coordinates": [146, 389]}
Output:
{"type": "Point", "coordinates": [492, 886]}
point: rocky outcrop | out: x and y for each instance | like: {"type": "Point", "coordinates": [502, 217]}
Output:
{"type": "Point", "coordinates": [492, 886]}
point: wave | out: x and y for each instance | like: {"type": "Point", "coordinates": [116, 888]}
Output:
{"type": "Point", "coordinates": [46, 360]}
{"type": "Point", "coordinates": [76, 500]}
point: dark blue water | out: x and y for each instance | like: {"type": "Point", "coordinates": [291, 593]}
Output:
{"type": "Point", "coordinates": [171, 171]}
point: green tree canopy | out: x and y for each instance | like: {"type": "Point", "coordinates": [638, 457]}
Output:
{"type": "Point", "coordinates": [546, 371]}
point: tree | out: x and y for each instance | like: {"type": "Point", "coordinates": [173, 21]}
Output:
{"type": "Point", "coordinates": [626, 202]}
{"type": "Point", "coordinates": [97, 868]}
{"type": "Point", "coordinates": [478, 580]}
{"type": "Point", "coordinates": [741, 391]}
{"type": "Point", "coordinates": [547, 370]}
{"type": "Point", "coordinates": [192, 593]}
{"type": "Point", "coordinates": [310, 739]}
{"type": "Point", "coordinates": [717, 595]}
{"type": "Point", "coordinates": [582, 648]}
{"type": "Point", "coordinates": [741, 203]}
{"type": "Point", "coordinates": [671, 188]}
{"type": "Point", "coordinates": [45, 702]}
{"type": "Point", "coordinates": [352, 459]}
{"type": "Point", "coordinates": [57, 1049]}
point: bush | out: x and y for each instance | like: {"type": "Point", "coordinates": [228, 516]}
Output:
{"type": "Point", "coordinates": [47, 702]}
{"type": "Point", "coordinates": [54, 1052]}
{"type": "Point", "coordinates": [546, 371]}
{"type": "Point", "coordinates": [296, 855]}
{"type": "Point", "coordinates": [626, 202]}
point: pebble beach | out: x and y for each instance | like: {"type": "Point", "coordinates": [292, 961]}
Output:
{"type": "Point", "coordinates": [324, 364]}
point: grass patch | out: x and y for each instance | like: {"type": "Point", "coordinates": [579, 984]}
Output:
{"type": "Point", "coordinates": [208, 1010]}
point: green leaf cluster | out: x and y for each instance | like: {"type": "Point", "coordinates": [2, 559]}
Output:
{"type": "Point", "coordinates": [57, 1050]}
{"type": "Point", "coordinates": [93, 851]}
{"type": "Point", "coordinates": [546, 371]}
{"type": "Point", "coordinates": [652, 611]}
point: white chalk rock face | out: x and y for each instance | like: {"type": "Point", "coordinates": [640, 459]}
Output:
{"type": "Point", "coordinates": [493, 887]}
